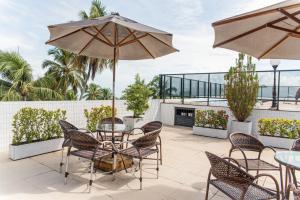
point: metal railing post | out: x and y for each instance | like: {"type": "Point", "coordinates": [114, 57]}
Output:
{"type": "Point", "coordinates": [170, 91]}
{"type": "Point", "coordinates": [183, 80]}
{"type": "Point", "coordinates": [208, 89]}
{"type": "Point", "coordinates": [278, 90]}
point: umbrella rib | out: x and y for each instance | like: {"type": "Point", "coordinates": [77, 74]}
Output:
{"type": "Point", "coordinates": [87, 44]}
{"type": "Point", "coordinates": [132, 41]}
{"type": "Point", "coordinates": [284, 29]}
{"type": "Point", "coordinates": [277, 44]}
{"type": "Point", "coordinates": [253, 30]}
{"type": "Point", "coordinates": [292, 17]}
{"type": "Point", "coordinates": [60, 37]}
{"type": "Point", "coordinates": [161, 41]}
{"type": "Point", "coordinates": [226, 21]}
{"type": "Point", "coordinates": [100, 32]}
{"type": "Point", "coordinates": [138, 40]}
{"type": "Point", "coordinates": [120, 43]}
{"type": "Point", "coordinates": [96, 38]}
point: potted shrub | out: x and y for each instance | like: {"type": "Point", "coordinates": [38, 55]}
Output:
{"type": "Point", "coordinates": [278, 132]}
{"type": "Point", "coordinates": [136, 96]}
{"type": "Point", "coordinates": [36, 131]}
{"type": "Point", "coordinates": [241, 88]}
{"type": "Point", "coordinates": [96, 115]}
{"type": "Point", "coordinates": [211, 123]}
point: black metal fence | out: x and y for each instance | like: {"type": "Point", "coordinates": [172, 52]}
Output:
{"type": "Point", "coordinates": [208, 88]}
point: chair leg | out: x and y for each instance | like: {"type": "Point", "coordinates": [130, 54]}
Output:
{"type": "Point", "coordinates": [157, 164]}
{"type": "Point", "coordinates": [91, 175]}
{"type": "Point", "coordinates": [281, 180]}
{"type": "Point", "coordinates": [67, 169]}
{"type": "Point", "coordinates": [61, 162]}
{"type": "Point", "coordinates": [122, 158]}
{"type": "Point", "coordinates": [141, 174]}
{"type": "Point", "coordinates": [207, 191]}
{"type": "Point", "coordinates": [160, 151]}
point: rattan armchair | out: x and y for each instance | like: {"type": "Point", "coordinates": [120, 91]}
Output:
{"type": "Point", "coordinates": [236, 183]}
{"type": "Point", "coordinates": [141, 149]}
{"type": "Point", "coordinates": [149, 127]}
{"type": "Point", "coordinates": [88, 147]}
{"type": "Point", "coordinates": [243, 142]}
{"type": "Point", "coordinates": [295, 190]}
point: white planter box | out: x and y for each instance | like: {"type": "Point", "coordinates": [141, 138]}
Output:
{"type": "Point", "coordinates": [210, 132]}
{"type": "Point", "coordinates": [17, 152]}
{"type": "Point", "coordinates": [131, 122]}
{"type": "Point", "coordinates": [277, 142]}
{"type": "Point", "coordinates": [241, 127]}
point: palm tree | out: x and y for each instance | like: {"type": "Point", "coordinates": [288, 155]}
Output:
{"type": "Point", "coordinates": [93, 92]}
{"type": "Point", "coordinates": [106, 94]}
{"type": "Point", "coordinates": [92, 65]}
{"type": "Point", "coordinates": [17, 82]}
{"type": "Point", "coordinates": [63, 69]}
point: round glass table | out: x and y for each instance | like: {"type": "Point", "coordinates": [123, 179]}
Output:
{"type": "Point", "coordinates": [291, 160]}
{"type": "Point", "coordinates": [119, 128]}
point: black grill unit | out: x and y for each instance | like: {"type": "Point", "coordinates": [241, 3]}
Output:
{"type": "Point", "coordinates": [184, 116]}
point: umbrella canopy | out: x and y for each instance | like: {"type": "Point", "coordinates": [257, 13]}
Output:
{"type": "Point", "coordinates": [271, 32]}
{"type": "Point", "coordinates": [112, 37]}
{"type": "Point", "coordinates": [99, 37]}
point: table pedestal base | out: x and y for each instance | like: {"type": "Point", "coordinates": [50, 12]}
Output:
{"type": "Point", "coordinates": [106, 164]}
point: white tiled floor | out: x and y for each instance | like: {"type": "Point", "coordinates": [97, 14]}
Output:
{"type": "Point", "coordinates": [183, 174]}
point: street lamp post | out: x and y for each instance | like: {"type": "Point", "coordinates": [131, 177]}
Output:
{"type": "Point", "coordinates": [274, 63]}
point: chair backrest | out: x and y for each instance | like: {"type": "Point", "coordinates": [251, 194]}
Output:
{"type": "Point", "coordinates": [109, 120]}
{"type": "Point", "coordinates": [148, 140]}
{"type": "Point", "coordinates": [83, 141]}
{"type": "Point", "coordinates": [228, 172]}
{"type": "Point", "coordinates": [151, 126]}
{"type": "Point", "coordinates": [296, 145]}
{"type": "Point", "coordinates": [245, 142]}
{"type": "Point", "coordinates": [66, 126]}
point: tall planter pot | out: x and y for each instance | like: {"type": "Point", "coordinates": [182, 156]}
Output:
{"type": "Point", "coordinates": [17, 152]}
{"type": "Point", "coordinates": [131, 122]}
{"type": "Point", "coordinates": [241, 127]}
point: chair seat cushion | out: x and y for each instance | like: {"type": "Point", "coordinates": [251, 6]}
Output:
{"type": "Point", "coordinates": [254, 191]}
{"type": "Point", "coordinates": [255, 164]}
{"type": "Point", "coordinates": [89, 154]}
{"type": "Point", "coordinates": [132, 152]}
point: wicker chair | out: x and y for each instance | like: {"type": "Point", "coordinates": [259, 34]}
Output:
{"type": "Point", "coordinates": [87, 147]}
{"type": "Point", "coordinates": [295, 147]}
{"type": "Point", "coordinates": [235, 182]}
{"type": "Point", "coordinates": [243, 142]}
{"type": "Point", "coordinates": [149, 127]}
{"type": "Point", "coordinates": [296, 192]}
{"type": "Point", "coordinates": [103, 136]}
{"type": "Point", "coordinates": [65, 126]}
{"type": "Point", "coordinates": [141, 148]}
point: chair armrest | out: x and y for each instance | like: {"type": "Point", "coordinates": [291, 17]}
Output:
{"type": "Point", "coordinates": [232, 159]}
{"type": "Point", "coordinates": [274, 180]}
{"type": "Point", "coordinates": [268, 147]}
{"type": "Point", "coordinates": [114, 148]}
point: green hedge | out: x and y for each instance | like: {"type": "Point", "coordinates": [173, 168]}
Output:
{"type": "Point", "coordinates": [211, 119]}
{"type": "Point", "coordinates": [96, 115]}
{"type": "Point", "coordinates": [278, 127]}
{"type": "Point", "coordinates": [32, 124]}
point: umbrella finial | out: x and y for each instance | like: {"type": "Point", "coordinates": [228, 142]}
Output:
{"type": "Point", "coordinates": [115, 13]}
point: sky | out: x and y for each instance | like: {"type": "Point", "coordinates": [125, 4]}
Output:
{"type": "Point", "coordinates": [24, 28]}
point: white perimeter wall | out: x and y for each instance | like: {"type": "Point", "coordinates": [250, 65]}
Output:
{"type": "Point", "coordinates": [74, 110]}
{"type": "Point", "coordinates": [168, 112]}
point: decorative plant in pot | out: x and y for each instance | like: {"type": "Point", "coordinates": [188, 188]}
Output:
{"type": "Point", "coordinates": [136, 96]}
{"type": "Point", "coordinates": [241, 88]}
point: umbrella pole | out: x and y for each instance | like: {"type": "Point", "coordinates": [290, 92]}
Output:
{"type": "Point", "coordinates": [113, 100]}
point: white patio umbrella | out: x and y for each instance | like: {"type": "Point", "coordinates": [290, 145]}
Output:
{"type": "Point", "coordinates": [272, 32]}
{"type": "Point", "coordinates": [112, 37]}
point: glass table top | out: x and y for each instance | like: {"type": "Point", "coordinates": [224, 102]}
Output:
{"type": "Point", "coordinates": [119, 128]}
{"type": "Point", "coordinates": [288, 158]}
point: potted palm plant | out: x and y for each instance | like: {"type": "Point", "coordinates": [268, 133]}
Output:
{"type": "Point", "coordinates": [241, 88]}
{"type": "Point", "coordinates": [136, 96]}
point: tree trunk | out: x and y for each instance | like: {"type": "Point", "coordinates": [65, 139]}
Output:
{"type": "Point", "coordinates": [85, 83]}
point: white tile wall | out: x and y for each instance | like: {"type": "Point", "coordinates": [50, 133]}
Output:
{"type": "Point", "coordinates": [74, 113]}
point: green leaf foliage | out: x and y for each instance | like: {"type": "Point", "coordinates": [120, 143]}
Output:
{"type": "Point", "coordinates": [211, 119]}
{"type": "Point", "coordinates": [241, 88]}
{"type": "Point", "coordinates": [33, 124]}
{"type": "Point", "coordinates": [96, 115]}
{"type": "Point", "coordinates": [137, 97]}
{"type": "Point", "coordinates": [279, 127]}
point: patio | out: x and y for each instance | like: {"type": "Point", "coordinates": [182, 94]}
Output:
{"type": "Point", "coordinates": [183, 174]}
